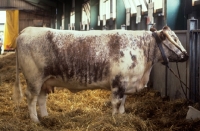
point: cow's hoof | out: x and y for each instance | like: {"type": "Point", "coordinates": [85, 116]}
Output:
{"type": "Point", "coordinates": [114, 112]}
{"type": "Point", "coordinates": [121, 110]}
{"type": "Point", "coordinates": [44, 114]}
{"type": "Point", "coordinates": [36, 121]}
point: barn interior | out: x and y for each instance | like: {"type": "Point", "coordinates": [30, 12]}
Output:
{"type": "Point", "coordinates": [163, 105]}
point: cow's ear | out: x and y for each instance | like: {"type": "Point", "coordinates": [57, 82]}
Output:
{"type": "Point", "coordinates": [166, 28]}
{"type": "Point", "coordinates": [152, 29]}
{"type": "Point", "coordinates": [162, 35]}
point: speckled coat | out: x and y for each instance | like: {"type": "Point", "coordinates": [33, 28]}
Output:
{"type": "Point", "coordinates": [116, 60]}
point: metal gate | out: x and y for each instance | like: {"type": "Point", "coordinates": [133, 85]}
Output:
{"type": "Point", "coordinates": [194, 65]}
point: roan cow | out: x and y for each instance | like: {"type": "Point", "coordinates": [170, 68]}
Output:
{"type": "Point", "coordinates": [117, 60]}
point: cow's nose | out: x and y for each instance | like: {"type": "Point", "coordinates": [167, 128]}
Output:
{"type": "Point", "coordinates": [184, 56]}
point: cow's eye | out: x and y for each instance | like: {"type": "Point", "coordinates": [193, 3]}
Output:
{"type": "Point", "coordinates": [175, 40]}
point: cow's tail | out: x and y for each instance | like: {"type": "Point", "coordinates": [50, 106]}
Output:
{"type": "Point", "coordinates": [17, 91]}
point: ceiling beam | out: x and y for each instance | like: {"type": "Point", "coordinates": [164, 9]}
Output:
{"type": "Point", "coordinates": [33, 1]}
{"type": "Point", "coordinates": [62, 1]}
{"type": "Point", "coordinates": [38, 4]}
{"type": "Point", "coordinates": [47, 2]}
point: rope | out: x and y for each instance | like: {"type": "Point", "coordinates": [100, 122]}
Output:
{"type": "Point", "coordinates": [180, 82]}
{"type": "Point", "coordinates": [178, 77]}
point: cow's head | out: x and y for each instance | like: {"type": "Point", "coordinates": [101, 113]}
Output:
{"type": "Point", "coordinates": [173, 48]}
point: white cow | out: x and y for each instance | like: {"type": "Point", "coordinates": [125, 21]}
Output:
{"type": "Point", "coordinates": [116, 60]}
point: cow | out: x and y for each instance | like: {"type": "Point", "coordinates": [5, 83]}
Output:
{"type": "Point", "coordinates": [115, 60]}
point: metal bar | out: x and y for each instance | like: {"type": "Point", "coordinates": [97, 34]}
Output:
{"type": "Point", "coordinates": [194, 61]}
{"type": "Point", "coordinates": [189, 45]}
{"type": "Point", "coordinates": [198, 65]}
{"type": "Point", "coordinates": [194, 67]}
{"type": "Point", "coordinates": [180, 31]}
{"type": "Point", "coordinates": [166, 75]}
{"type": "Point", "coordinates": [195, 30]}
{"type": "Point", "coordinates": [192, 77]}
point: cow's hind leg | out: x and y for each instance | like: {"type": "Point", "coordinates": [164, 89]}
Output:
{"type": "Point", "coordinates": [42, 103]}
{"type": "Point", "coordinates": [46, 89]}
{"type": "Point", "coordinates": [118, 97]}
{"type": "Point", "coordinates": [32, 100]}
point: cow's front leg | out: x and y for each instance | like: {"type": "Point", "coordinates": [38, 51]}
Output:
{"type": "Point", "coordinates": [122, 108]}
{"type": "Point", "coordinates": [32, 100]}
{"type": "Point", "coordinates": [118, 97]}
{"type": "Point", "coordinates": [114, 101]}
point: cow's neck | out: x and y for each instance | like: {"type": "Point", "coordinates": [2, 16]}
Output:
{"type": "Point", "coordinates": [159, 43]}
{"type": "Point", "coordinates": [154, 54]}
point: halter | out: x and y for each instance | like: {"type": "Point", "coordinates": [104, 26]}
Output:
{"type": "Point", "coordinates": [159, 43]}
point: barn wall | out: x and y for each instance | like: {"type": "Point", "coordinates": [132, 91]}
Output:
{"type": "Point", "coordinates": [68, 7]}
{"type": "Point", "coordinates": [78, 13]}
{"type": "Point", "coordinates": [59, 15]}
{"type": "Point", "coordinates": [175, 14]}
{"type": "Point", "coordinates": [121, 14]}
{"type": "Point", "coordinates": [158, 75]}
{"type": "Point", "coordinates": [195, 13]}
{"type": "Point", "coordinates": [27, 13]}
{"type": "Point", "coordinates": [16, 4]}
{"type": "Point", "coordinates": [158, 19]}
{"type": "Point", "coordinates": [94, 13]}
{"type": "Point", "coordinates": [26, 19]}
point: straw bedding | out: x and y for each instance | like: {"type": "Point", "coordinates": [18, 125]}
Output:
{"type": "Point", "coordinates": [90, 110]}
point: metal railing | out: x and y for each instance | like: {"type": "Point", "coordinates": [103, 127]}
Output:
{"type": "Point", "coordinates": [194, 65]}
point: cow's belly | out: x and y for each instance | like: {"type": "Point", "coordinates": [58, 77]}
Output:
{"type": "Point", "coordinates": [75, 85]}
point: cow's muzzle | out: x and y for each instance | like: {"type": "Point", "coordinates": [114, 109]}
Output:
{"type": "Point", "coordinates": [184, 57]}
